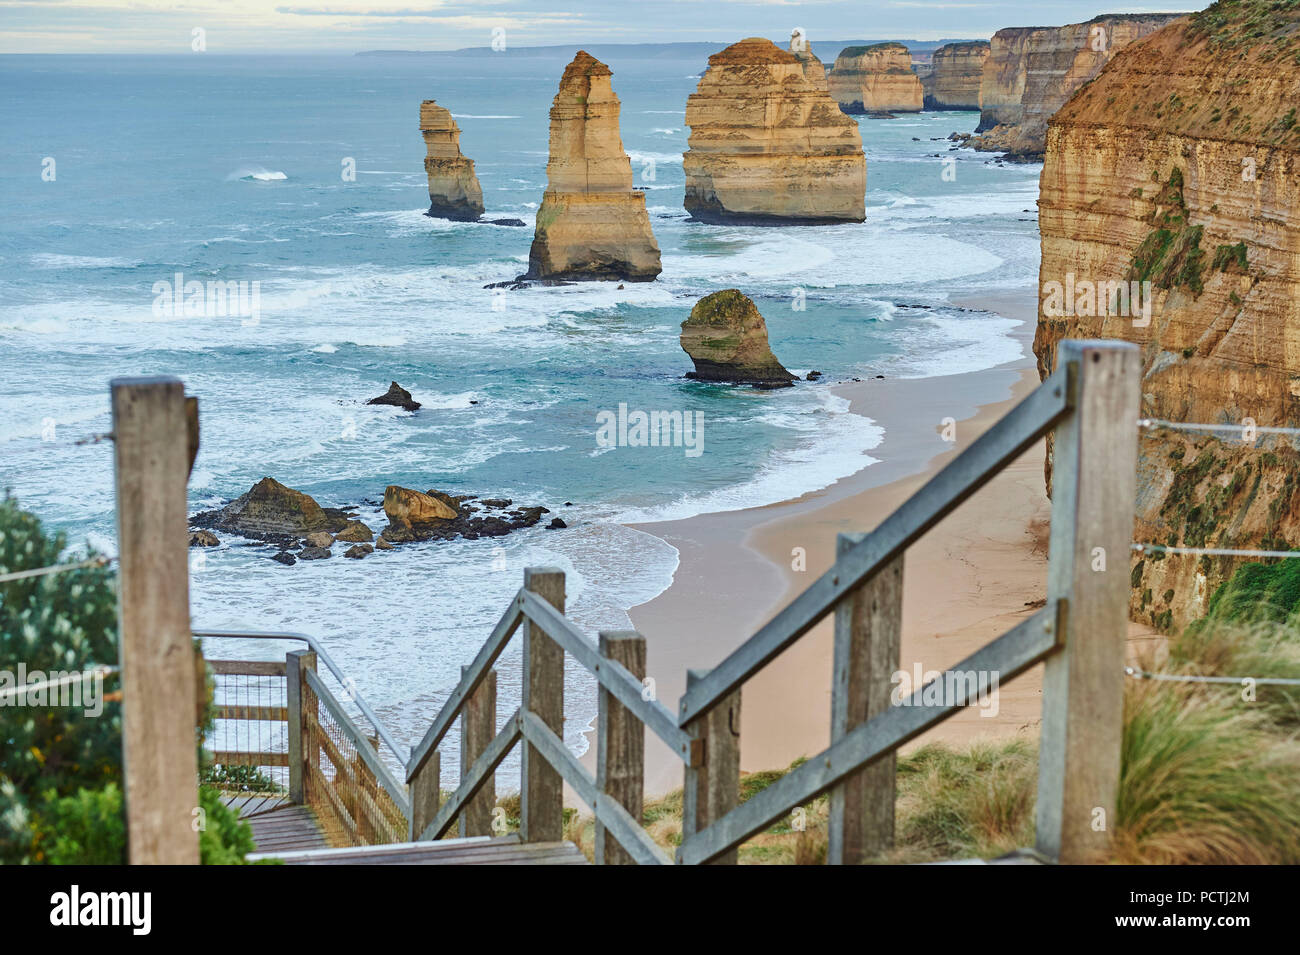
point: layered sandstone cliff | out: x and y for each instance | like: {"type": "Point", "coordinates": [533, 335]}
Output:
{"type": "Point", "coordinates": [1031, 71]}
{"type": "Point", "coordinates": [876, 79]}
{"type": "Point", "coordinates": [592, 224]}
{"type": "Point", "coordinates": [454, 192]}
{"type": "Point", "coordinates": [1179, 165]}
{"type": "Point", "coordinates": [955, 74]}
{"type": "Point", "coordinates": [768, 145]}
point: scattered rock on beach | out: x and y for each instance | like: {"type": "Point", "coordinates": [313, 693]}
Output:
{"type": "Point", "coordinates": [315, 553]}
{"type": "Point", "coordinates": [396, 395]}
{"type": "Point", "coordinates": [357, 551]}
{"type": "Point", "coordinates": [320, 539]}
{"type": "Point", "coordinates": [381, 544]}
{"type": "Point", "coordinates": [204, 539]}
{"type": "Point", "coordinates": [556, 524]}
{"type": "Point", "coordinates": [284, 557]}
{"type": "Point", "coordinates": [726, 337]}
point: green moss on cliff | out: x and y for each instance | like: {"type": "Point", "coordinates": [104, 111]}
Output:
{"type": "Point", "coordinates": [1170, 256]}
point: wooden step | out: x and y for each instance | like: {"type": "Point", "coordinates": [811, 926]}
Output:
{"type": "Point", "coordinates": [479, 850]}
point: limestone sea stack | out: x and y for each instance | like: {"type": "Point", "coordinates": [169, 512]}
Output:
{"type": "Point", "coordinates": [956, 71]}
{"type": "Point", "coordinates": [726, 337]}
{"type": "Point", "coordinates": [876, 79]}
{"type": "Point", "coordinates": [592, 224]}
{"type": "Point", "coordinates": [768, 146]}
{"type": "Point", "coordinates": [1031, 71]}
{"type": "Point", "coordinates": [1179, 165]}
{"type": "Point", "coordinates": [454, 192]}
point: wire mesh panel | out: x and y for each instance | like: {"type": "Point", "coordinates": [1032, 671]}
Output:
{"type": "Point", "coordinates": [249, 737]}
{"type": "Point", "coordinates": [352, 806]}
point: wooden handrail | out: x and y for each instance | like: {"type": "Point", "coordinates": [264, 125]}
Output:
{"type": "Point", "coordinates": [963, 476]}
{"type": "Point", "coordinates": [610, 674]}
{"type": "Point", "coordinates": [472, 676]}
{"type": "Point", "coordinates": [473, 781]}
{"type": "Point", "coordinates": [395, 790]}
{"type": "Point", "coordinates": [1015, 651]}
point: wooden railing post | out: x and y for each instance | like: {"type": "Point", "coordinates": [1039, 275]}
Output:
{"type": "Point", "coordinates": [620, 744]}
{"type": "Point", "coordinates": [868, 634]}
{"type": "Point", "coordinates": [159, 761]}
{"type": "Point", "coordinates": [426, 795]}
{"type": "Point", "coordinates": [712, 787]}
{"type": "Point", "coordinates": [1093, 499]}
{"type": "Point", "coordinates": [295, 661]}
{"type": "Point", "coordinates": [478, 725]}
{"type": "Point", "coordinates": [542, 790]}
{"type": "Point", "coordinates": [309, 719]}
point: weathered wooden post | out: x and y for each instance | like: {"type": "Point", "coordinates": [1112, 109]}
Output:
{"type": "Point", "coordinates": [542, 790]}
{"type": "Point", "coordinates": [712, 788]}
{"type": "Point", "coordinates": [295, 683]}
{"type": "Point", "coordinates": [1093, 497]}
{"type": "Point", "coordinates": [478, 725]}
{"type": "Point", "coordinates": [426, 795]}
{"type": "Point", "coordinates": [159, 760]}
{"type": "Point", "coordinates": [868, 635]}
{"type": "Point", "coordinates": [620, 744]}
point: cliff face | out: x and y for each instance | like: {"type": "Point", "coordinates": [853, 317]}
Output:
{"type": "Point", "coordinates": [1031, 71]}
{"type": "Point", "coordinates": [1179, 165]}
{"type": "Point", "coordinates": [954, 77]}
{"type": "Point", "coordinates": [768, 145]}
{"type": "Point", "coordinates": [876, 78]}
{"type": "Point", "coordinates": [592, 224]}
{"type": "Point", "coordinates": [454, 192]}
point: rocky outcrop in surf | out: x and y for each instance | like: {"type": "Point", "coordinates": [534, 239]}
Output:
{"type": "Point", "coordinates": [726, 338]}
{"type": "Point", "coordinates": [876, 79]}
{"type": "Point", "coordinates": [454, 191]}
{"type": "Point", "coordinates": [768, 146]}
{"type": "Point", "coordinates": [433, 515]}
{"type": "Point", "coordinates": [1179, 166]}
{"type": "Point", "coordinates": [1030, 72]}
{"type": "Point", "coordinates": [271, 510]}
{"type": "Point", "coordinates": [397, 396]}
{"type": "Point", "coordinates": [956, 71]}
{"type": "Point", "coordinates": [592, 224]}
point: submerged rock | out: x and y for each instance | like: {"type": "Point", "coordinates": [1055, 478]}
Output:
{"type": "Point", "coordinates": [454, 191]}
{"type": "Point", "coordinates": [726, 337]}
{"type": "Point", "coordinates": [768, 145]}
{"type": "Point", "coordinates": [592, 224]}
{"type": "Point", "coordinates": [315, 553]}
{"type": "Point", "coordinates": [398, 396]}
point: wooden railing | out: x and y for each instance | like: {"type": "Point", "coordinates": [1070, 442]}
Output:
{"type": "Point", "coordinates": [1087, 408]}
{"type": "Point", "coordinates": [333, 766]}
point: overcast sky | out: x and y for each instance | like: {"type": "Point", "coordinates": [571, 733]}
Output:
{"type": "Point", "coordinates": [252, 26]}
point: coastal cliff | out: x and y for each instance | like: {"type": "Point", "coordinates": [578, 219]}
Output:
{"type": "Point", "coordinates": [1179, 166]}
{"type": "Point", "coordinates": [454, 191]}
{"type": "Point", "coordinates": [592, 224]}
{"type": "Point", "coordinates": [768, 145]}
{"type": "Point", "coordinates": [876, 79]}
{"type": "Point", "coordinates": [954, 77]}
{"type": "Point", "coordinates": [1030, 72]}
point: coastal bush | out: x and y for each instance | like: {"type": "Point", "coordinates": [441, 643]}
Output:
{"type": "Point", "coordinates": [60, 768]}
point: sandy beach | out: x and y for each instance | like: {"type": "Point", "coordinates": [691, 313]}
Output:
{"type": "Point", "coordinates": [971, 578]}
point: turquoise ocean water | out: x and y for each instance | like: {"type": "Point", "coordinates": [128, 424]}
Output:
{"type": "Point", "coordinates": [230, 168]}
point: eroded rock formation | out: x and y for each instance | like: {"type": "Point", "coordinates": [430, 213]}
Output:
{"type": "Point", "coordinates": [876, 79]}
{"type": "Point", "coordinates": [270, 509]}
{"type": "Point", "coordinates": [454, 192]}
{"type": "Point", "coordinates": [955, 74]}
{"type": "Point", "coordinates": [592, 224]}
{"type": "Point", "coordinates": [1031, 71]}
{"type": "Point", "coordinates": [1179, 165]}
{"type": "Point", "coordinates": [768, 145]}
{"type": "Point", "coordinates": [397, 396]}
{"type": "Point", "coordinates": [726, 337]}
